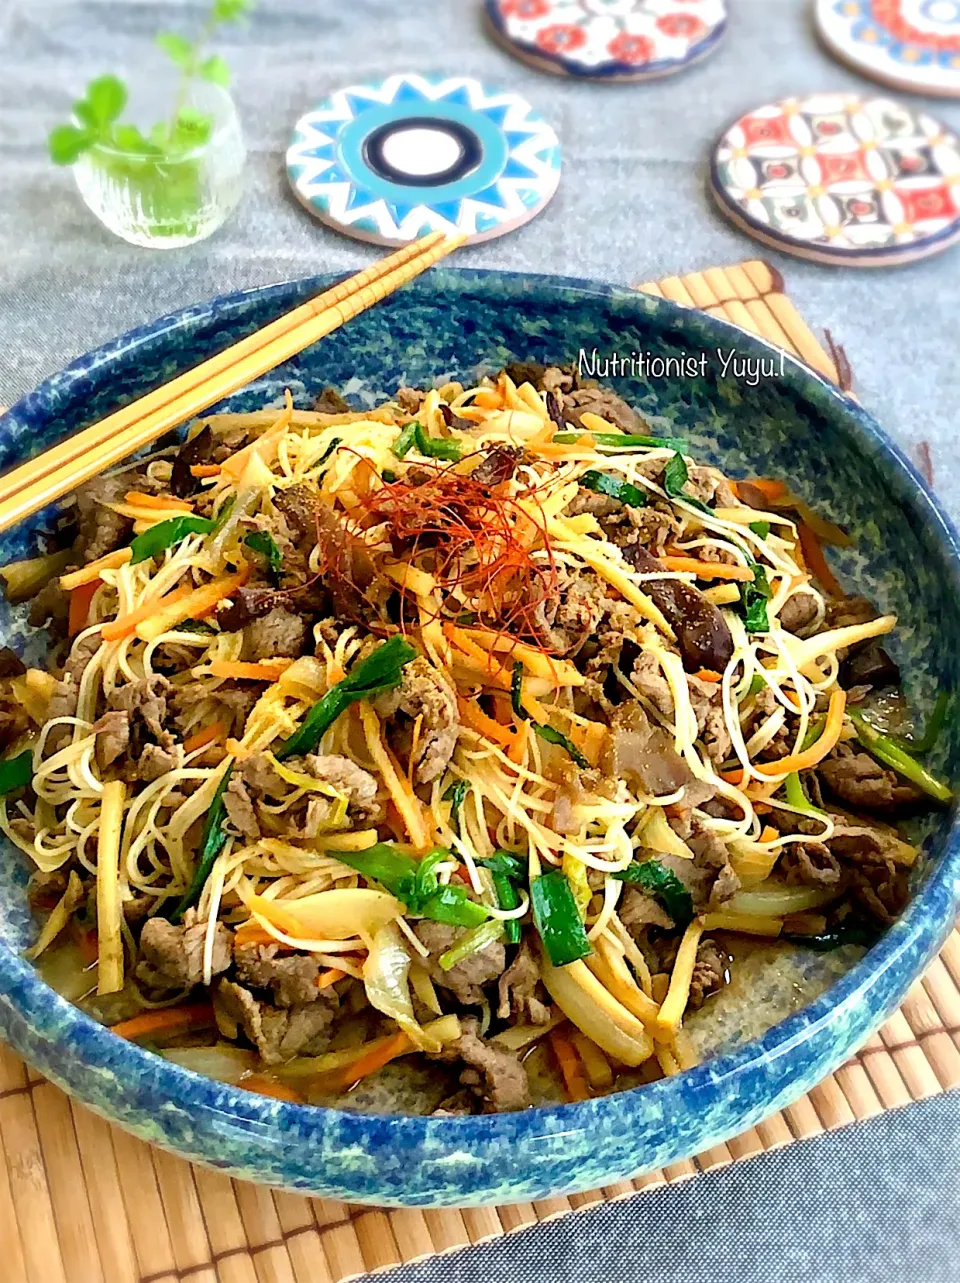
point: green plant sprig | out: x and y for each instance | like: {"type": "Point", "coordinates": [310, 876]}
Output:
{"type": "Point", "coordinates": [96, 116]}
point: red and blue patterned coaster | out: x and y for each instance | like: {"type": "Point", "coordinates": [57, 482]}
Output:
{"type": "Point", "coordinates": [608, 39]}
{"type": "Point", "coordinates": [865, 182]}
{"type": "Point", "coordinates": [910, 44]}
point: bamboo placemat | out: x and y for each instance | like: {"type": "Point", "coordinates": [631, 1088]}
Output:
{"type": "Point", "coordinates": [83, 1202]}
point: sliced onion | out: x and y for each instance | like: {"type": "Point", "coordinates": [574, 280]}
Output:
{"type": "Point", "coordinates": [583, 1000]}
{"type": "Point", "coordinates": [225, 1063]}
{"type": "Point", "coordinates": [386, 978]}
{"type": "Point", "coordinates": [776, 900]}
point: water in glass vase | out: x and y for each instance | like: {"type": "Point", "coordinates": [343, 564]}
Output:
{"type": "Point", "coordinates": [175, 199]}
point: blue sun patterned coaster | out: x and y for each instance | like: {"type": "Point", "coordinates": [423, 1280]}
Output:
{"type": "Point", "coordinates": [390, 161]}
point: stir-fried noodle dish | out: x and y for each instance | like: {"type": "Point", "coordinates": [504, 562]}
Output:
{"type": "Point", "coordinates": [474, 731]}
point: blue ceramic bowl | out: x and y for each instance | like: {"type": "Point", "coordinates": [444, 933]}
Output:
{"type": "Point", "coordinates": [791, 424]}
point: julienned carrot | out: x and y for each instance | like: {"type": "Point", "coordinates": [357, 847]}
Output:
{"type": "Point", "coordinates": [253, 933]}
{"type": "Point", "coordinates": [166, 1020]}
{"type": "Point", "coordinates": [89, 573]}
{"type": "Point", "coordinates": [477, 719]}
{"type": "Point", "coordinates": [194, 605]}
{"type": "Point", "coordinates": [819, 749]}
{"type": "Point", "coordinates": [206, 735]}
{"type": "Point", "coordinates": [570, 1066]}
{"type": "Point", "coordinates": [267, 670]}
{"type": "Point", "coordinates": [708, 675]}
{"type": "Point", "coordinates": [264, 1086]}
{"type": "Point", "coordinates": [769, 834]}
{"type": "Point", "coordinates": [707, 569]}
{"type": "Point", "coordinates": [125, 625]}
{"type": "Point", "coordinates": [80, 600]}
{"type": "Point", "coordinates": [162, 502]}
{"type": "Point", "coordinates": [380, 1054]}
{"type": "Point", "coordinates": [733, 777]}
{"type": "Point", "coordinates": [329, 977]}
{"type": "Point", "coordinates": [769, 488]}
{"type": "Point", "coordinates": [816, 561]}
{"type": "Point", "coordinates": [516, 750]}
{"type": "Point", "coordinates": [560, 449]}
{"type": "Point", "coordinates": [205, 470]}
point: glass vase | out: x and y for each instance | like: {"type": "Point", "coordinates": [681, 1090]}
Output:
{"type": "Point", "coordinates": [169, 202]}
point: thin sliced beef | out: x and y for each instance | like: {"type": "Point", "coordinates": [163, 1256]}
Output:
{"type": "Point", "coordinates": [703, 636]}
{"type": "Point", "coordinates": [647, 676]}
{"type": "Point", "coordinates": [172, 957]}
{"type": "Point", "coordinates": [257, 778]}
{"type": "Point", "coordinates": [811, 864]}
{"type": "Point", "coordinates": [709, 972]}
{"type": "Point", "coordinates": [643, 754]}
{"type": "Point", "coordinates": [63, 701]}
{"type": "Point", "coordinates": [410, 399]}
{"type": "Point", "coordinates": [569, 620]}
{"type": "Point", "coordinates": [44, 890]}
{"type": "Point", "coordinates": [637, 910]}
{"type": "Point", "coordinates": [603, 402]}
{"type": "Point", "coordinates": [155, 762]}
{"type": "Point", "coordinates": [279, 1034]}
{"type": "Point", "coordinates": [331, 402]}
{"type": "Point", "coordinates": [496, 1075]}
{"type": "Point", "coordinates": [145, 701]}
{"type": "Point", "coordinates": [713, 856]}
{"type": "Point", "coordinates": [467, 979]}
{"type": "Point", "coordinates": [102, 529]}
{"type": "Point", "coordinates": [280, 633]}
{"type": "Point", "coordinates": [518, 990]}
{"type": "Point", "coordinates": [710, 486]}
{"type": "Point", "coordinates": [856, 843]}
{"type": "Point", "coordinates": [50, 605]}
{"type": "Point", "coordinates": [424, 693]}
{"type": "Point", "coordinates": [113, 737]}
{"type": "Point", "coordinates": [706, 699]}
{"type": "Point", "coordinates": [241, 814]}
{"type": "Point", "coordinates": [858, 780]}
{"type": "Point", "coordinates": [291, 978]}
{"type": "Point", "coordinates": [883, 889]}
{"type": "Point", "coordinates": [356, 784]}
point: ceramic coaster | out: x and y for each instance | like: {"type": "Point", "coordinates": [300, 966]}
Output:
{"type": "Point", "coordinates": [608, 39]}
{"type": "Point", "coordinates": [866, 182]}
{"type": "Point", "coordinates": [910, 44]}
{"type": "Point", "coordinates": [391, 161]}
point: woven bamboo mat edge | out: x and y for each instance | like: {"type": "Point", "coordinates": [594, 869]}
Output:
{"type": "Point", "coordinates": [83, 1202]}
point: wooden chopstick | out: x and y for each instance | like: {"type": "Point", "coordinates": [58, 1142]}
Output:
{"type": "Point", "coordinates": [41, 481]}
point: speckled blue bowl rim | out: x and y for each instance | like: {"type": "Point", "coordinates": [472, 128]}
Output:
{"type": "Point", "coordinates": [417, 1161]}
